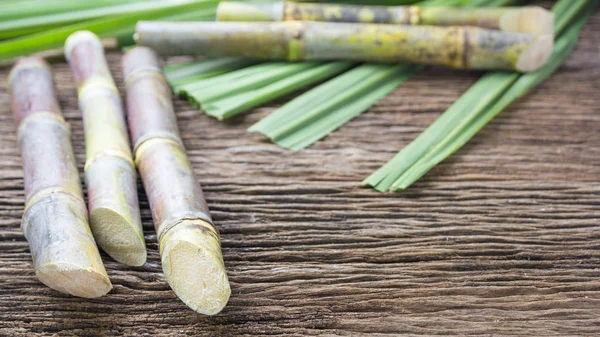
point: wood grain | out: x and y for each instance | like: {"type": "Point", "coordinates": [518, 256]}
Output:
{"type": "Point", "coordinates": [502, 239]}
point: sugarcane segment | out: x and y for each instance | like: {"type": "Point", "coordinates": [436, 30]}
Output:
{"type": "Point", "coordinates": [189, 243]}
{"type": "Point", "coordinates": [55, 219]}
{"type": "Point", "coordinates": [527, 19]}
{"type": "Point", "coordinates": [109, 170]}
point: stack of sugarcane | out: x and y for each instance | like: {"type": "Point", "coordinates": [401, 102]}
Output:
{"type": "Point", "coordinates": [55, 220]}
{"type": "Point", "coordinates": [375, 31]}
{"type": "Point", "coordinates": [223, 88]}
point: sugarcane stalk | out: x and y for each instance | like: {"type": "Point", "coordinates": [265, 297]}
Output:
{"type": "Point", "coordinates": [55, 220]}
{"type": "Point", "coordinates": [457, 47]}
{"type": "Point", "coordinates": [109, 170]}
{"type": "Point", "coordinates": [189, 243]}
{"type": "Point", "coordinates": [530, 19]}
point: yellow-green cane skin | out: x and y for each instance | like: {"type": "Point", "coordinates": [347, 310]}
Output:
{"type": "Point", "coordinates": [189, 243]}
{"type": "Point", "coordinates": [244, 39]}
{"type": "Point", "coordinates": [294, 11]}
{"type": "Point", "coordinates": [452, 16]}
{"type": "Point", "coordinates": [456, 47]}
{"type": "Point", "coordinates": [526, 19]}
{"type": "Point", "coordinates": [55, 220]}
{"type": "Point", "coordinates": [109, 170]}
{"type": "Point", "coordinates": [529, 19]}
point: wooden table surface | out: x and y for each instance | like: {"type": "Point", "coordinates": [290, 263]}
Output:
{"type": "Point", "coordinates": [502, 239]}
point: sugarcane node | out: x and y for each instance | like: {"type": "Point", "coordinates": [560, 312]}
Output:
{"type": "Point", "coordinates": [165, 137]}
{"type": "Point", "coordinates": [466, 48]}
{"type": "Point", "coordinates": [140, 73]}
{"type": "Point", "coordinates": [96, 87]}
{"type": "Point", "coordinates": [42, 116]}
{"type": "Point", "coordinates": [202, 221]}
{"type": "Point", "coordinates": [413, 15]}
{"type": "Point", "coordinates": [67, 260]}
{"type": "Point", "coordinates": [126, 157]}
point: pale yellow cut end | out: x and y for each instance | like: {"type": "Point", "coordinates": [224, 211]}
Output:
{"type": "Point", "coordinates": [537, 54]}
{"type": "Point", "coordinates": [244, 12]}
{"type": "Point", "coordinates": [530, 20]}
{"type": "Point", "coordinates": [78, 37]}
{"type": "Point", "coordinates": [70, 279]}
{"type": "Point", "coordinates": [118, 237]}
{"type": "Point", "coordinates": [193, 266]}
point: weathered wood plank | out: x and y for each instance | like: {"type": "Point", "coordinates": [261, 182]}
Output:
{"type": "Point", "coordinates": [502, 239]}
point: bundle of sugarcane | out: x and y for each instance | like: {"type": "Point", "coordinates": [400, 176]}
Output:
{"type": "Point", "coordinates": [222, 88]}
{"type": "Point", "coordinates": [55, 220]}
{"type": "Point", "coordinates": [109, 169]}
{"type": "Point", "coordinates": [313, 115]}
{"type": "Point", "coordinates": [530, 19]}
{"type": "Point", "coordinates": [457, 47]}
{"type": "Point", "coordinates": [189, 243]}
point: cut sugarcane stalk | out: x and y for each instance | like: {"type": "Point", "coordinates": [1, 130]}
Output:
{"type": "Point", "coordinates": [529, 19]}
{"type": "Point", "coordinates": [190, 247]}
{"type": "Point", "coordinates": [55, 220]}
{"type": "Point", "coordinates": [456, 47]}
{"type": "Point", "coordinates": [109, 169]}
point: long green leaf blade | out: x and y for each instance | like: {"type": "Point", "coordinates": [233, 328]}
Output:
{"type": "Point", "coordinates": [464, 120]}
{"type": "Point", "coordinates": [564, 46]}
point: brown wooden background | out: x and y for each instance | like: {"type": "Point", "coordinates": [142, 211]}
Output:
{"type": "Point", "coordinates": [503, 239]}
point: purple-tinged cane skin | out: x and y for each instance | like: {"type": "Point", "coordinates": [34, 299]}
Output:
{"type": "Point", "coordinates": [55, 220]}
{"type": "Point", "coordinates": [190, 247]}
{"type": "Point", "coordinates": [524, 19]}
{"type": "Point", "coordinates": [109, 169]}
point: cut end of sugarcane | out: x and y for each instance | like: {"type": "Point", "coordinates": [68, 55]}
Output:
{"type": "Point", "coordinates": [530, 20]}
{"type": "Point", "coordinates": [537, 54]}
{"type": "Point", "coordinates": [27, 63]}
{"type": "Point", "coordinates": [193, 265]}
{"type": "Point", "coordinates": [248, 12]}
{"type": "Point", "coordinates": [79, 37]}
{"type": "Point", "coordinates": [118, 237]}
{"type": "Point", "coordinates": [70, 279]}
